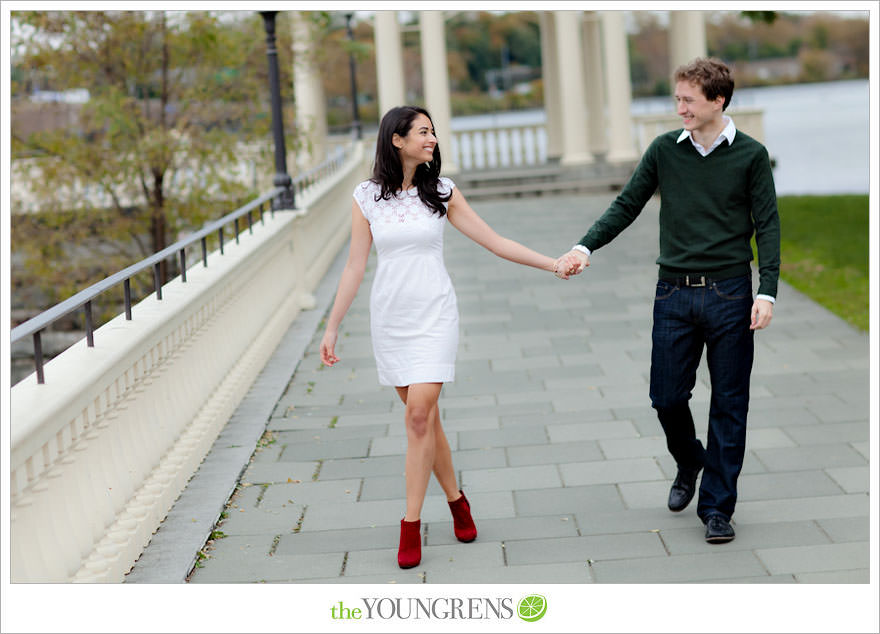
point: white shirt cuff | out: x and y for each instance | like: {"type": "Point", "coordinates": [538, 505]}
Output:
{"type": "Point", "coordinates": [581, 248]}
{"type": "Point", "coordinates": [770, 299]}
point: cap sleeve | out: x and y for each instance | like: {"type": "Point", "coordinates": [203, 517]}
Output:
{"type": "Point", "coordinates": [363, 196]}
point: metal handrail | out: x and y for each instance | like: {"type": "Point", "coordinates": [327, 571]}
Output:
{"type": "Point", "coordinates": [83, 299]}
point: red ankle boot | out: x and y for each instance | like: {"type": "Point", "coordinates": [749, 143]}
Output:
{"type": "Point", "coordinates": [409, 553]}
{"type": "Point", "coordinates": [462, 521]}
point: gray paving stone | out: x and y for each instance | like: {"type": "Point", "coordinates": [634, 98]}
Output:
{"type": "Point", "coordinates": [340, 516]}
{"type": "Point", "coordinates": [820, 558]}
{"type": "Point", "coordinates": [392, 488]}
{"type": "Point", "coordinates": [457, 558]}
{"type": "Point", "coordinates": [768, 438]}
{"type": "Point", "coordinates": [262, 521]}
{"type": "Point", "coordinates": [306, 436]}
{"type": "Point", "coordinates": [557, 418]}
{"type": "Point", "coordinates": [568, 432]}
{"type": "Point", "coordinates": [829, 433]}
{"type": "Point", "coordinates": [507, 529]}
{"type": "Point", "coordinates": [859, 575]}
{"type": "Point", "coordinates": [396, 445]}
{"type": "Point", "coordinates": [781, 417]}
{"type": "Point", "coordinates": [810, 457]}
{"type": "Point", "coordinates": [576, 572]}
{"type": "Point", "coordinates": [586, 549]}
{"type": "Point", "coordinates": [847, 529]}
{"type": "Point", "coordinates": [719, 566]}
{"type": "Point", "coordinates": [508, 437]}
{"type": "Point", "coordinates": [818, 508]}
{"type": "Point", "coordinates": [338, 541]}
{"type": "Point", "coordinates": [263, 472]}
{"type": "Point", "coordinates": [610, 471]}
{"type": "Point", "coordinates": [863, 448]}
{"type": "Point", "coordinates": [479, 459]}
{"type": "Point", "coordinates": [691, 540]}
{"type": "Point", "coordinates": [851, 479]}
{"type": "Point", "coordinates": [240, 547]}
{"type": "Point", "coordinates": [793, 484]}
{"type": "Point", "coordinates": [326, 449]}
{"type": "Point", "coordinates": [556, 453]}
{"type": "Point", "coordinates": [308, 493]}
{"type": "Point", "coordinates": [640, 495]}
{"type": "Point", "coordinates": [348, 468]}
{"type": "Point", "coordinates": [567, 500]}
{"type": "Point", "coordinates": [618, 448]}
{"type": "Point", "coordinates": [599, 520]}
{"type": "Point", "coordinates": [353, 419]}
{"type": "Point", "coordinates": [536, 409]}
{"type": "Point", "coordinates": [268, 569]}
{"type": "Point", "coordinates": [511, 478]}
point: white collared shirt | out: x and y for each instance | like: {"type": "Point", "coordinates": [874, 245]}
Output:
{"type": "Point", "coordinates": [728, 134]}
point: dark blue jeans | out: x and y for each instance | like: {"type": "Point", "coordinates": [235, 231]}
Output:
{"type": "Point", "coordinates": [716, 316]}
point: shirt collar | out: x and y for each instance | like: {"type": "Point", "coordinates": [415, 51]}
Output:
{"type": "Point", "coordinates": [728, 133]}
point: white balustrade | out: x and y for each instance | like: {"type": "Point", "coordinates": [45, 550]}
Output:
{"type": "Point", "coordinates": [101, 451]}
{"type": "Point", "coordinates": [503, 146]}
{"type": "Point", "coordinates": [526, 144]}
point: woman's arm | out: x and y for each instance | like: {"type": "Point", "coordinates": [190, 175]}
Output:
{"type": "Point", "coordinates": [466, 220]}
{"type": "Point", "coordinates": [352, 276]}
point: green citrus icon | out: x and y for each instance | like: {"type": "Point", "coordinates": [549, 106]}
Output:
{"type": "Point", "coordinates": [532, 607]}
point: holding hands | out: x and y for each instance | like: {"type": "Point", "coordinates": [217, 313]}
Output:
{"type": "Point", "coordinates": [570, 264]}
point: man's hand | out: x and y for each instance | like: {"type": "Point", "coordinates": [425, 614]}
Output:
{"type": "Point", "coordinates": [581, 260]}
{"type": "Point", "coordinates": [565, 266]}
{"type": "Point", "coordinates": [762, 313]}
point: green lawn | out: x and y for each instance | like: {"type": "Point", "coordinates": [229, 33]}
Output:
{"type": "Point", "coordinates": [825, 252]}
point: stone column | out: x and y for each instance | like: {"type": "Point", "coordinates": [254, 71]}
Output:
{"type": "Point", "coordinates": [687, 37]}
{"type": "Point", "coordinates": [389, 61]}
{"type": "Point", "coordinates": [597, 129]}
{"type": "Point", "coordinates": [550, 76]}
{"type": "Point", "coordinates": [308, 96]}
{"type": "Point", "coordinates": [435, 77]}
{"type": "Point", "coordinates": [618, 86]}
{"type": "Point", "coordinates": [572, 93]}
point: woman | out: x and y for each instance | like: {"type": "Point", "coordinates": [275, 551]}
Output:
{"type": "Point", "coordinates": [413, 309]}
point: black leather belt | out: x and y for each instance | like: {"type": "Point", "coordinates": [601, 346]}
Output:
{"type": "Point", "coordinates": [693, 280]}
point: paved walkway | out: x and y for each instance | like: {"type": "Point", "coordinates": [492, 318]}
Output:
{"type": "Point", "coordinates": [553, 439]}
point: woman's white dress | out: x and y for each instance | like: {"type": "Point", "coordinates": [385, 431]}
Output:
{"type": "Point", "coordinates": [413, 309]}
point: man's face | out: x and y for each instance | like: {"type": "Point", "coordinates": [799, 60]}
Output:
{"type": "Point", "coordinates": [697, 112]}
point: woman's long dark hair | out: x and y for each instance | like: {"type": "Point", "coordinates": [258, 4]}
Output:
{"type": "Point", "coordinates": [388, 170]}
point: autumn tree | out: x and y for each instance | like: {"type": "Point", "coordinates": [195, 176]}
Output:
{"type": "Point", "coordinates": [177, 106]}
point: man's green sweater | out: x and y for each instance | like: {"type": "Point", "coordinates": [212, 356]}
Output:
{"type": "Point", "coordinates": [709, 208]}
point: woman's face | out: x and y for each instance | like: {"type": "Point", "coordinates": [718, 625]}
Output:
{"type": "Point", "coordinates": [419, 143]}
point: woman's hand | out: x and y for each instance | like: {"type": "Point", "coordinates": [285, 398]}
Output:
{"type": "Point", "coordinates": [328, 343]}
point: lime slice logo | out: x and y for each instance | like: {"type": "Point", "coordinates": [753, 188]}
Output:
{"type": "Point", "coordinates": [532, 608]}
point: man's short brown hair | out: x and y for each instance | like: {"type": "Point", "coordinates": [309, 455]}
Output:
{"type": "Point", "coordinates": [711, 75]}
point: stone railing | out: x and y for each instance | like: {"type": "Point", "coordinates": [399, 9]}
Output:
{"type": "Point", "coordinates": [503, 146]}
{"type": "Point", "coordinates": [525, 145]}
{"type": "Point", "coordinates": [102, 449]}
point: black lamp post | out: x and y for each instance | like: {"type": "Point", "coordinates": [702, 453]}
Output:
{"type": "Point", "coordinates": [356, 121]}
{"type": "Point", "coordinates": [284, 200]}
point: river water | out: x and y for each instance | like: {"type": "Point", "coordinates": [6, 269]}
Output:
{"type": "Point", "coordinates": [818, 133]}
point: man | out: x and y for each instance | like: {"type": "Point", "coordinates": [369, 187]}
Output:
{"type": "Point", "coordinates": [716, 190]}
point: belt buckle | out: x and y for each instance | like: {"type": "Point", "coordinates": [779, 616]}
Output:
{"type": "Point", "coordinates": [687, 281]}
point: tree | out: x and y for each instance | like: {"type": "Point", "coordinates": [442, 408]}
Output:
{"type": "Point", "coordinates": [174, 99]}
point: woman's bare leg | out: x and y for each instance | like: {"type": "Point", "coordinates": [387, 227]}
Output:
{"type": "Point", "coordinates": [421, 401]}
{"type": "Point", "coordinates": [443, 469]}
